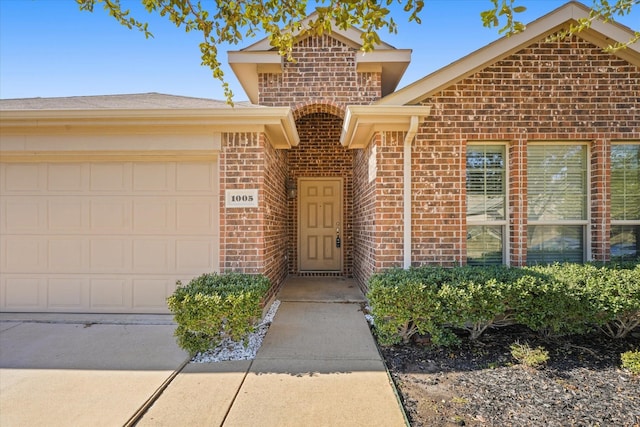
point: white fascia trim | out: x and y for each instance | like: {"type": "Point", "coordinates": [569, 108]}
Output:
{"type": "Point", "coordinates": [276, 122]}
{"type": "Point", "coordinates": [362, 121]}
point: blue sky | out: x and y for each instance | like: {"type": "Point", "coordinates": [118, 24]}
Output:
{"type": "Point", "coordinates": [49, 48]}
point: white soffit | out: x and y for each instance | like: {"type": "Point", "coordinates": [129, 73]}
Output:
{"type": "Point", "coordinates": [362, 121]}
{"type": "Point", "coordinates": [601, 34]}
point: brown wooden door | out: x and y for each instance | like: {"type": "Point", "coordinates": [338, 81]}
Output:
{"type": "Point", "coordinates": [320, 223]}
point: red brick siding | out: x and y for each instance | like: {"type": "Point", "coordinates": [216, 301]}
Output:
{"type": "Point", "coordinates": [276, 226]}
{"type": "Point", "coordinates": [242, 232]}
{"type": "Point", "coordinates": [389, 202]}
{"type": "Point", "coordinates": [323, 69]}
{"type": "Point", "coordinates": [438, 190]}
{"type": "Point", "coordinates": [601, 199]}
{"type": "Point", "coordinates": [364, 214]}
{"type": "Point", "coordinates": [518, 202]}
{"type": "Point", "coordinates": [550, 91]}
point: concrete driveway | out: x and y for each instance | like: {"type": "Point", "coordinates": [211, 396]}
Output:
{"type": "Point", "coordinates": [74, 371]}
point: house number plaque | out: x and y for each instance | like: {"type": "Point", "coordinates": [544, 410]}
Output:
{"type": "Point", "coordinates": [241, 198]}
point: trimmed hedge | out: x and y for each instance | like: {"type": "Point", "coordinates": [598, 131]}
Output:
{"type": "Point", "coordinates": [553, 300]}
{"type": "Point", "coordinates": [212, 307]}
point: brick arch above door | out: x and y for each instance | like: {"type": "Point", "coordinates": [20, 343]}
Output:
{"type": "Point", "coordinates": [311, 107]}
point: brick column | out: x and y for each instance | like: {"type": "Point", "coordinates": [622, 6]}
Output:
{"type": "Point", "coordinates": [518, 202]}
{"type": "Point", "coordinates": [600, 199]}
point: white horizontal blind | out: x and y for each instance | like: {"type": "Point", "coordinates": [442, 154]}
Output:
{"type": "Point", "coordinates": [557, 203]}
{"type": "Point", "coordinates": [486, 203]}
{"type": "Point", "coordinates": [557, 182]}
{"type": "Point", "coordinates": [625, 182]}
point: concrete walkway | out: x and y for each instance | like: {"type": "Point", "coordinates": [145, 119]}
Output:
{"type": "Point", "coordinates": [318, 366]}
{"type": "Point", "coordinates": [63, 370]}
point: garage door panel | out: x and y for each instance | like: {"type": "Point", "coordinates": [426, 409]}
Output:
{"type": "Point", "coordinates": [154, 215]}
{"type": "Point", "coordinates": [198, 177]}
{"type": "Point", "coordinates": [25, 253]}
{"type": "Point", "coordinates": [67, 255]}
{"type": "Point", "coordinates": [21, 177]}
{"type": "Point", "coordinates": [67, 293]}
{"type": "Point", "coordinates": [194, 255]}
{"type": "Point", "coordinates": [24, 294]}
{"type": "Point", "coordinates": [22, 215]}
{"type": "Point", "coordinates": [152, 177]}
{"type": "Point", "coordinates": [152, 256]}
{"type": "Point", "coordinates": [152, 293]}
{"type": "Point", "coordinates": [110, 215]}
{"type": "Point", "coordinates": [196, 215]}
{"type": "Point", "coordinates": [109, 177]}
{"type": "Point", "coordinates": [66, 214]}
{"type": "Point", "coordinates": [110, 294]}
{"type": "Point", "coordinates": [65, 177]}
{"type": "Point", "coordinates": [110, 255]}
{"type": "Point", "coordinates": [110, 237]}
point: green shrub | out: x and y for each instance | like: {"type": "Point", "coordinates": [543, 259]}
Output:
{"type": "Point", "coordinates": [553, 300]}
{"type": "Point", "coordinates": [406, 302]}
{"type": "Point", "coordinates": [616, 298]}
{"type": "Point", "coordinates": [212, 307]}
{"type": "Point", "coordinates": [531, 357]}
{"type": "Point", "coordinates": [631, 361]}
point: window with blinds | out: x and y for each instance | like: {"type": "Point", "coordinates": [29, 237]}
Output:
{"type": "Point", "coordinates": [557, 185]}
{"type": "Point", "coordinates": [625, 201]}
{"type": "Point", "coordinates": [486, 204]}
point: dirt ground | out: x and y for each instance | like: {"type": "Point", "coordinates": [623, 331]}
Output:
{"type": "Point", "coordinates": [481, 384]}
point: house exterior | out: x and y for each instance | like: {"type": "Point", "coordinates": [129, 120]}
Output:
{"type": "Point", "coordinates": [525, 151]}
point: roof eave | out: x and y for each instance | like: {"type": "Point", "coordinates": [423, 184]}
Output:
{"type": "Point", "coordinates": [363, 121]}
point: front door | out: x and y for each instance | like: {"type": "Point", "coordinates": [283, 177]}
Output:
{"type": "Point", "coordinates": [320, 224]}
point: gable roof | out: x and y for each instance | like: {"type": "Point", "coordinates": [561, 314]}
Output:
{"type": "Point", "coordinates": [261, 57]}
{"type": "Point", "coordinates": [601, 34]}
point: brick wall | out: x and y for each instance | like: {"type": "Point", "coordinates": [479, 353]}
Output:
{"type": "Point", "coordinates": [551, 91]}
{"type": "Point", "coordinates": [364, 212]}
{"type": "Point", "coordinates": [318, 84]}
{"type": "Point", "coordinates": [324, 69]}
{"type": "Point", "coordinates": [241, 231]}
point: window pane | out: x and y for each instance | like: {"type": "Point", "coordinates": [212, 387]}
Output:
{"type": "Point", "coordinates": [484, 245]}
{"type": "Point", "coordinates": [555, 243]}
{"type": "Point", "coordinates": [557, 182]}
{"type": "Point", "coordinates": [624, 242]}
{"type": "Point", "coordinates": [625, 182]}
{"type": "Point", "coordinates": [485, 182]}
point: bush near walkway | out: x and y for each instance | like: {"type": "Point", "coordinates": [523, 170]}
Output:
{"type": "Point", "coordinates": [212, 307]}
{"type": "Point", "coordinates": [553, 300]}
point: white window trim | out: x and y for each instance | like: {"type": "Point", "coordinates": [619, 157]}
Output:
{"type": "Point", "coordinates": [586, 234]}
{"type": "Point", "coordinates": [504, 223]}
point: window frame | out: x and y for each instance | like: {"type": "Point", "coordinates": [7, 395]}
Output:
{"type": "Point", "coordinates": [503, 223]}
{"type": "Point", "coordinates": [584, 223]}
{"type": "Point", "coordinates": [620, 222]}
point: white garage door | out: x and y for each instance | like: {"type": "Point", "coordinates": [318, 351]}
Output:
{"type": "Point", "coordinates": [104, 237]}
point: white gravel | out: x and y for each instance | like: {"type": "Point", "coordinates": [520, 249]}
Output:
{"type": "Point", "coordinates": [233, 350]}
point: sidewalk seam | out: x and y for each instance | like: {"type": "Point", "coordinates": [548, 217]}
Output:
{"type": "Point", "coordinates": [235, 396]}
{"type": "Point", "coordinates": [156, 394]}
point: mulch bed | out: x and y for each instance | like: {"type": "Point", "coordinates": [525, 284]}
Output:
{"type": "Point", "coordinates": [481, 384]}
